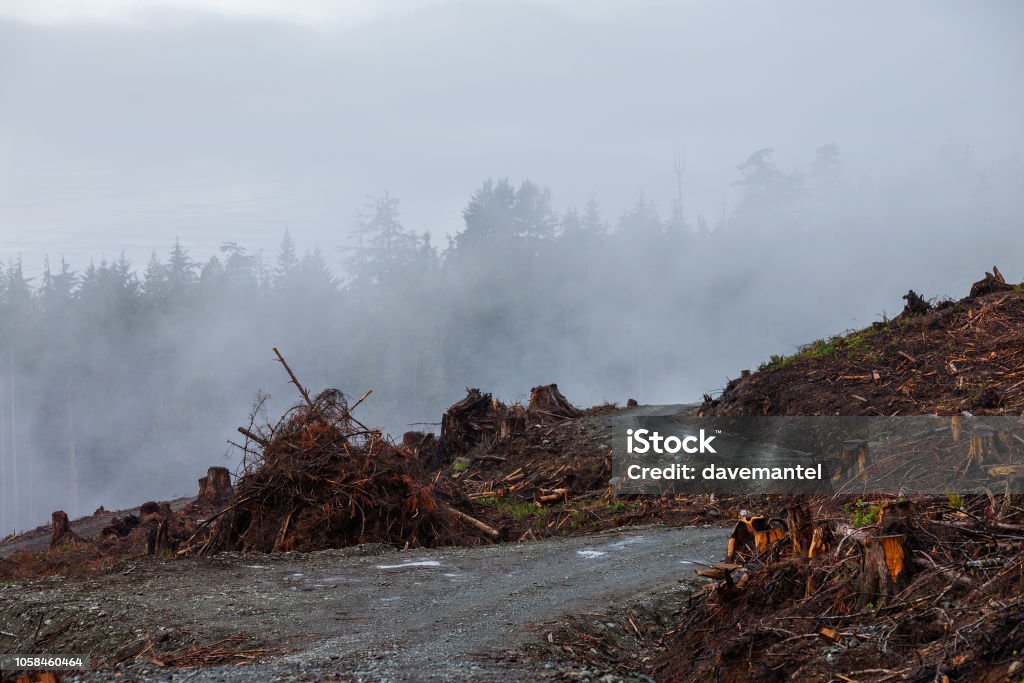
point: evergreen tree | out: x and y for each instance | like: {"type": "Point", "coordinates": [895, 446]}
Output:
{"type": "Point", "coordinates": [592, 222]}
{"type": "Point", "coordinates": [154, 280]}
{"type": "Point", "coordinates": [571, 225]}
{"type": "Point", "coordinates": [385, 250]}
{"type": "Point", "coordinates": [641, 222]}
{"type": "Point", "coordinates": [181, 273]}
{"type": "Point", "coordinates": [288, 264]}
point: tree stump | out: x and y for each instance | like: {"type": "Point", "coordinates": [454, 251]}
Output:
{"type": "Point", "coordinates": [885, 567]}
{"type": "Point", "coordinates": [821, 542]}
{"type": "Point", "coordinates": [991, 283]}
{"type": "Point", "coordinates": [413, 440]}
{"type": "Point", "coordinates": [148, 511]}
{"type": "Point", "coordinates": [801, 528]}
{"type": "Point", "coordinates": [752, 535]}
{"type": "Point", "coordinates": [854, 458]}
{"type": "Point", "coordinates": [898, 517]}
{"type": "Point", "coordinates": [215, 487]}
{"type": "Point", "coordinates": [1013, 496]}
{"type": "Point", "coordinates": [916, 305]}
{"type": "Point", "coordinates": [467, 422]}
{"type": "Point", "coordinates": [513, 422]}
{"type": "Point", "coordinates": [60, 530]}
{"type": "Point", "coordinates": [983, 448]}
{"type": "Point", "coordinates": [161, 535]}
{"type": "Point", "coordinates": [547, 403]}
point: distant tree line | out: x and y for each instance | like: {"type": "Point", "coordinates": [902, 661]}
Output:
{"type": "Point", "coordinates": [118, 385]}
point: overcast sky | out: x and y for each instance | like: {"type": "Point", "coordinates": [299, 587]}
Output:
{"type": "Point", "coordinates": [124, 124]}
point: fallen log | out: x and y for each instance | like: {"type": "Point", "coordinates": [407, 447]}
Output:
{"type": "Point", "coordinates": [473, 521]}
{"type": "Point", "coordinates": [557, 494]}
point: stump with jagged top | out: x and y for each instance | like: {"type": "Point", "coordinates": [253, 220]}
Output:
{"type": "Point", "coordinates": [548, 403]}
{"type": "Point", "coordinates": [215, 487]}
{"type": "Point", "coordinates": [60, 530]}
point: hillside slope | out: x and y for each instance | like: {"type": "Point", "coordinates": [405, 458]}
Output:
{"type": "Point", "coordinates": [957, 356]}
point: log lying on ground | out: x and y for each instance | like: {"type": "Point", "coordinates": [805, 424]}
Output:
{"type": "Point", "coordinates": [119, 527]}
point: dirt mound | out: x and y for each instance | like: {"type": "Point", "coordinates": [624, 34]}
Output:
{"type": "Point", "coordinates": [954, 357]}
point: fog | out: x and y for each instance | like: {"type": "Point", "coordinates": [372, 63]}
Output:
{"type": "Point", "coordinates": [631, 199]}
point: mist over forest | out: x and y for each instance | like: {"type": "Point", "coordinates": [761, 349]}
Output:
{"type": "Point", "coordinates": [122, 382]}
{"type": "Point", "coordinates": [633, 199]}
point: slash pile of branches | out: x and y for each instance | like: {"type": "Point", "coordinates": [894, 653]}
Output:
{"type": "Point", "coordinates": [319, 478]}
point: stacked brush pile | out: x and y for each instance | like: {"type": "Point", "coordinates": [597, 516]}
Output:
{"type": "Point", "coordinates": [319, 478]}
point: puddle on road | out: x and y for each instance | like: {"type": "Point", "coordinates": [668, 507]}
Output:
{"type": "Point", "coordinates": [618, 545]}
{"type": "Point", "coordinates": [406, 565]}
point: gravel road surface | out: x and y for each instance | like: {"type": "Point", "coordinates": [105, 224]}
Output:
{"type": "Point", "coordinates": [365, 613]}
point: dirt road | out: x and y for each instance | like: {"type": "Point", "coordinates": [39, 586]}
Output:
{"type": "Point", "coordinates": [364, 613]}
